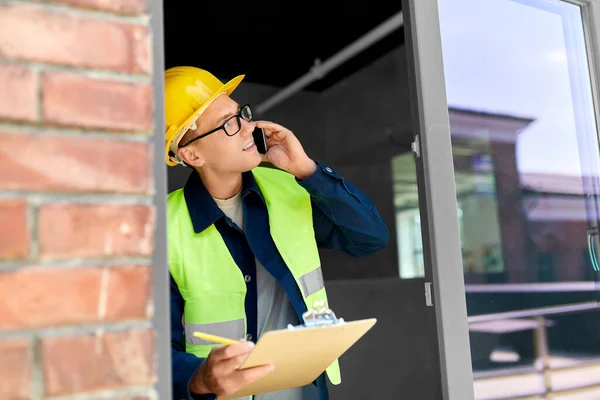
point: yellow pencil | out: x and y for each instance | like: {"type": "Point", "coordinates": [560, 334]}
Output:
{"type": "Point", "coordinates": [214, 338]}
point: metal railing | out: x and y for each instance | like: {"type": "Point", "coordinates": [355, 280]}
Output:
{"type": "Point", "coordinates": [542, 365]}
{"type": "Point", "coordinates": [535, 312]}
{"type": "Point", "coordinates": [552, 287]}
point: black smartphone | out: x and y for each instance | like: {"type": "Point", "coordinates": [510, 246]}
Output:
{"type": "Point", "coordinates": [260, 140]}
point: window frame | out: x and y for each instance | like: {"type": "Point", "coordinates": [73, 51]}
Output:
{"type": "Point", "coordinates": [161, 320]}
{"type": "Point", "coordinates": [435, 173]}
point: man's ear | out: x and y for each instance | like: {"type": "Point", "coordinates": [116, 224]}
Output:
{"type": "Point", "coordinates": [191, 156]}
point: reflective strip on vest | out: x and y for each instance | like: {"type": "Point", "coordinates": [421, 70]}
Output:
{"type": "Point", "coordinates": [312, 282]}
{"type": "Point", "coordinates": [228, 329]}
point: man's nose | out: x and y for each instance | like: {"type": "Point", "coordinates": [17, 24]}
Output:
{"type": "Point", "coordinates": [247, 127]}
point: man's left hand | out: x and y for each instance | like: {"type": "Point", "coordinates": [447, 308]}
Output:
{"type": "Point", "coordinates": [285, 151]}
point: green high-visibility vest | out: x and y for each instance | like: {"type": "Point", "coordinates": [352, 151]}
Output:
{"type": "Point", "coordinates": [211, 283]}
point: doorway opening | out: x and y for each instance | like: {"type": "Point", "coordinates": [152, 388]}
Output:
{"type": "Point", "coordinates": [342, 88]}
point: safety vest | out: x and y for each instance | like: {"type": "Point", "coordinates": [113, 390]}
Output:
{"type": "Point", "coordinates": [211, 283]}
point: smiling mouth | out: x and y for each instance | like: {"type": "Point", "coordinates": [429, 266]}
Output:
{"type": "Point", "coordinates": [248, 146]}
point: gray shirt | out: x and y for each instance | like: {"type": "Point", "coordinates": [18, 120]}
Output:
{"type": "Point", "coordinates": [275, 310]}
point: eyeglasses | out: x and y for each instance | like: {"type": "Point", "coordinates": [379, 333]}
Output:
{"type": "Point", "coordinates": [231, 127]}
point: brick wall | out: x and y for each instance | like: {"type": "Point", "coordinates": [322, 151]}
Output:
{"type": "Point", "coordinates": [76, 206]}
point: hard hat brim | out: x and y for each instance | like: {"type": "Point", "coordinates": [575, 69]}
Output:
{"type": "Point", "coordinates": [227, 88]}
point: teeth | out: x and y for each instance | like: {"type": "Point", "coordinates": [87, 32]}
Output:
{"type": "Point", "coordinates": [246, 147]}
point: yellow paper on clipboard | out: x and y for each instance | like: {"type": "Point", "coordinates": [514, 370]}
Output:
{"type": "Point", "coordinates": [300, 354]}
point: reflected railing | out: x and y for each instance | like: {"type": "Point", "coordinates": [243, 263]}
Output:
{"type": "Point", "coordinates": [547, 378]}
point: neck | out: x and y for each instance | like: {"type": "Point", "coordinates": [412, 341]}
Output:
{"type": "Point", "coordinates": [221, 186]}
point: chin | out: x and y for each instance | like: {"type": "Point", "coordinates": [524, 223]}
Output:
{"type": "Point", "coordinates": [253, 164]}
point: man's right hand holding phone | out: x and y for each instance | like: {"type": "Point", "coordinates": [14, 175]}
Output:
{"type": "Point", "coordinates": [219, 373]}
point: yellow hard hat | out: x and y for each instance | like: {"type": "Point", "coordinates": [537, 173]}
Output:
{"type": "Point", "coordinates": [188, 92]}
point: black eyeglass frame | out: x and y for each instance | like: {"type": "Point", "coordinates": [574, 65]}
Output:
{"type": "Point", "coordinates": [245, 113]}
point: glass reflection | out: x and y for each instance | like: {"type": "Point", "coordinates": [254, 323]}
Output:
{"type": "Point", "coordinates": [526, 163]}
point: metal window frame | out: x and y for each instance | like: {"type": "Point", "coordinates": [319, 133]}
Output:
{"type": "Point", "coordinates": [591, 26]}
{"type": "Point", "coordinates": [161, 320]}
{"type": "Point", "coordinates": [437, 191]}
{"type": "Point", "coordinates": [435, 173]}
{"type": "Point", "coordinates": [437, 195]}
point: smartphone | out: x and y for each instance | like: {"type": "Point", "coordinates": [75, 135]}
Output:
{"type": "Point", "coordinates": [260, 140]}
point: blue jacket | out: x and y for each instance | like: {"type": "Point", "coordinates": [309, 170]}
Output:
{"type": "Point", "coordinates": [344, 219]}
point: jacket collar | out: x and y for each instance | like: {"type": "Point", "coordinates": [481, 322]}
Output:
{"type": "Point", "coordinates": [203, 210]}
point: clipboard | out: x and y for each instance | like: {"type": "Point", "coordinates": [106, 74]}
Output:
{"type": "Point", "coordinates": [302, 353]}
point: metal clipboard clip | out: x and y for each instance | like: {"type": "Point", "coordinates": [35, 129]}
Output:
{"type": "Point", "coordinates": [319, 315]}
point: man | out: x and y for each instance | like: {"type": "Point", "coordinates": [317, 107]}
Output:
{"type": "Point", "coordinates": [243, 239]}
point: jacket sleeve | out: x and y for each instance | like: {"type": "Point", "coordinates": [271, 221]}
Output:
{"type": "Point", "coordinates": [344, 218]}
{"type": "Point", "coordinates": [184, 365]}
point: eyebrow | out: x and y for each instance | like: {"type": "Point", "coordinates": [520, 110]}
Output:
{"type": "Point", "coordinates": [228, 115]}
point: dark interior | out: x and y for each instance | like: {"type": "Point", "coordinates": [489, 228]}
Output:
{"type": "Point", "coordinates": [272, 42]}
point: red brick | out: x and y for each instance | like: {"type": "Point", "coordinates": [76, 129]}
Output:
{"type": "Point", "coordinates": [32, 32]}
{"type": "Point", "coordinates": [15, 369]}
{"type": "Point", "coordinates": [90, 230]}
{"type": "Point", "coordinates": [42, 297]}
{"type": "Point", "coordinates": [74, 164]}
{"type": "Point", "coordinates": [129, 293]}
{"type": "Point", "coordinates": [14, 235]}
{"type": "Point", "coordinates": [18, 100]}
{"type": "Point", "coordinates": [74, 100]}
{"type": "Point", "coordinates": [110, 360]}
{"type": "Point", "coordinates": [142, 55]}
{"type": "Point", "coordinates": [118, 6]}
